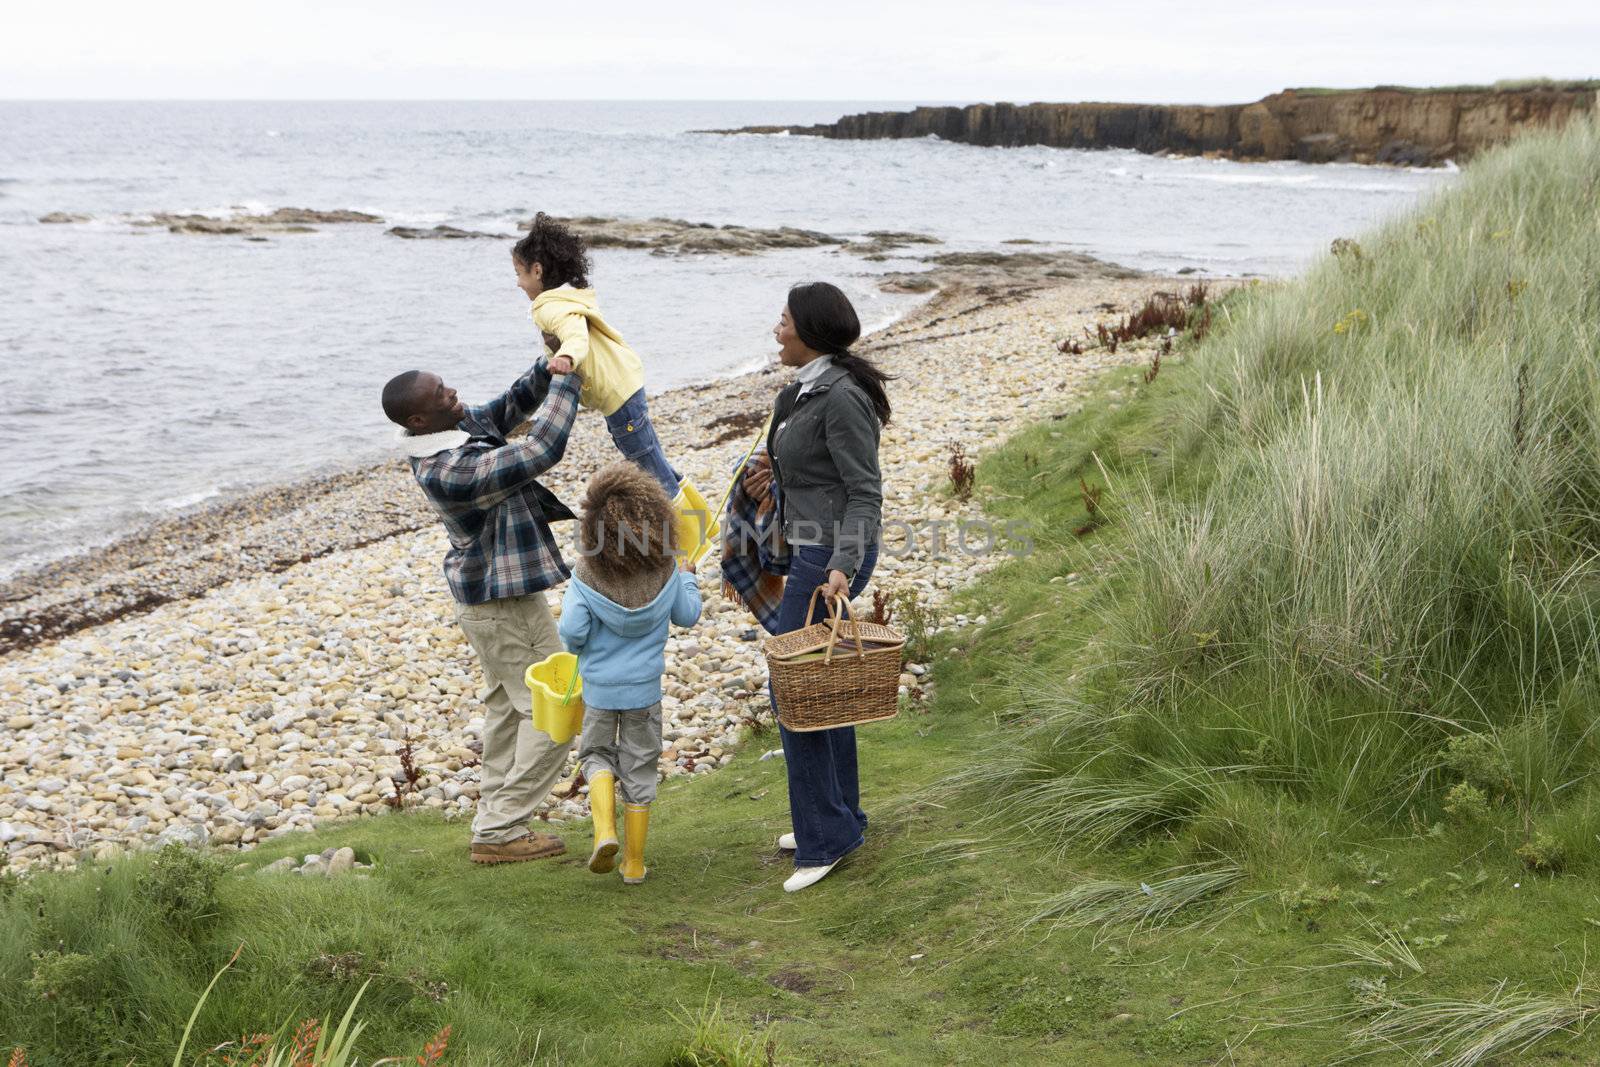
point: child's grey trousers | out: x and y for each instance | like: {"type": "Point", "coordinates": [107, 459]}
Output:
{"type": "Point", "coordinates": [626, 743]}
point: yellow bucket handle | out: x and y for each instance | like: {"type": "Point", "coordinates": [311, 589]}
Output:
{"type": "Point", "coordinates": [572, 683]}
{"type": "Point", "coordinates": [738, 472]}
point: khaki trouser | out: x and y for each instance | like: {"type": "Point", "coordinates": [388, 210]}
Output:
{"type": "Point", "coordinates": [520, 764]}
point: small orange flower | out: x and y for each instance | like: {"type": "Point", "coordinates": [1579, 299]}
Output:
{"type": "Point", "coordinates": [433, 1051]}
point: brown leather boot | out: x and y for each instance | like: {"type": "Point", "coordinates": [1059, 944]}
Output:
{"type": "Point", "coordinates": [531, 847]}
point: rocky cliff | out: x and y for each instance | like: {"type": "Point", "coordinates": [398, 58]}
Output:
{"type": "Point", "coordinates": [1404, 126]}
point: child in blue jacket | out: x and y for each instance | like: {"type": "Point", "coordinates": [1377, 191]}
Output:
{"type": "Point", "coordinates": [627, 587]}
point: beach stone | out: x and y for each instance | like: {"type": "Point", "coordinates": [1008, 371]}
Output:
{"type": "Point", "coordinates": [282, 866]}
{"type": "Point", "coordinates": [189, 835]}
{"type": "Point", "coordinates": [342, 862]}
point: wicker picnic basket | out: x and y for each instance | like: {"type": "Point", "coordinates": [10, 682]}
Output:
{"type": "Point", "coordinates": [840, 672]}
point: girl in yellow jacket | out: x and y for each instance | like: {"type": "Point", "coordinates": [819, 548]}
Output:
{"type": "Point", "coordinates": [553, 270]}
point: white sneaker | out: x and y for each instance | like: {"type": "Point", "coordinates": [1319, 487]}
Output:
{"type": "Point", "coordinates": [787, 842]}
{"type": "Point", "coordinates": [804, 876]}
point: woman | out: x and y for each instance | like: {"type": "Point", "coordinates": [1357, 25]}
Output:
{"type": "Point", "coordinates": [823, 445]}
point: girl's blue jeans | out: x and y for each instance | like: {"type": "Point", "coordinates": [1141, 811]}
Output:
{"type": "Point", "coordinates": [824, 792]}
{"type": "Point", "coordinates": [636, 439]}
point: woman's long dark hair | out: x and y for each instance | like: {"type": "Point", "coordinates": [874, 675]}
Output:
{"type": "Point", "coordinates": [826, 322]}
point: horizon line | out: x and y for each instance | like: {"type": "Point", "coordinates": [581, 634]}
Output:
{"type": "Point", "coordinates": [906, 102]}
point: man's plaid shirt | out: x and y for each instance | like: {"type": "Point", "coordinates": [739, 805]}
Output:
{"type": "Point", "coordinates": [483, 488]}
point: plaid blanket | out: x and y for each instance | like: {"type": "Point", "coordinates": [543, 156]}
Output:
{"type": "Point", "coordinates": [754, 555]}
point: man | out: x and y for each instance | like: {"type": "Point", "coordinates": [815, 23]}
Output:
{"type": "Point", "coordinates": [502, 558]}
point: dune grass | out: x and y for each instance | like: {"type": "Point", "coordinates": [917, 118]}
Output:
{"type": "Point", "coordinates": [1381, 579]}
{"type": "Point", "coordinates": [1351, 590]}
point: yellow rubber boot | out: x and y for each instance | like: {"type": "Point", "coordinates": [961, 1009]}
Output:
{"type": "Point", "coordinates": [635, 828]}
{"type": "Point", "coordinates": [603, 808]}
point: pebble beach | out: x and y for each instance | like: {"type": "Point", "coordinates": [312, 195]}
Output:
{"type": "Point", "coordinates": [261, 667]}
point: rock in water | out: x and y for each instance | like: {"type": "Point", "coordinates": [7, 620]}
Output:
{"type": "Point", "coordinates": [286, 216]}
{"type": "Point", "coordinates": [446, 233]}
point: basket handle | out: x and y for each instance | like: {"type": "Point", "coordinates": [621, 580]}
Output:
{"type": "Point", "coordinates": [811, 605]}
{"type": "Point", "coordinates": [838, 611]}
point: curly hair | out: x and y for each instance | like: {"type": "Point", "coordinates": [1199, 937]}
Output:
{"type": "Point", "coordinates": [557, 249]}
{"type": "Point", "coordinates": [628, 523]}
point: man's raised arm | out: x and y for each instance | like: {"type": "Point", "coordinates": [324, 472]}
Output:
{"type": "Point", "coordinates": [506, 411]}
{"type": "Point", "coordinates": [488, 476]}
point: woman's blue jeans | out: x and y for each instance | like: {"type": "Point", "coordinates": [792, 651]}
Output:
{"type": "Point", "coordinates": [635, 438]}
{"type": "Point", "coordinates": [824, 792]}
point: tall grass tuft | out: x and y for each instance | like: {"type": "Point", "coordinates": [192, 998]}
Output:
{"type": "Point", "coordinates": [714, 1042]}
{"type": "Point", "coordinates": [1104, 905]}
{"type": "Point", "coordinates": [1409, 451]}
{"type": "Point", "coordinates": [1461, 1033]}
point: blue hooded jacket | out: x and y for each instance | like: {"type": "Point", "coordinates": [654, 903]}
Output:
{"type": "Point", "coordinates": [622, 651]}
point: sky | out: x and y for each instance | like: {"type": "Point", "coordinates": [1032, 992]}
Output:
{"type": "Point", "coordinates": [931, 50]}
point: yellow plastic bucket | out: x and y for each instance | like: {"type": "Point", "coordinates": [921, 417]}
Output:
{"type": "Point", "coordinates": [697, 523]}
{"type": "Point", "coordinates": [554, 711]}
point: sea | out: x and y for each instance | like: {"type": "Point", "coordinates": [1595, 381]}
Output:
{"type": "Point", "coordinates": [144, 372]}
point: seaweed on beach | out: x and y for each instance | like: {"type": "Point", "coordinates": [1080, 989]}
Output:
{"type": "Point", "coordinates": [736, 425]}
{"type": "Point", "coordinates": [1160, 313]}
{"type": "Point", "coordinates": [962, 473]}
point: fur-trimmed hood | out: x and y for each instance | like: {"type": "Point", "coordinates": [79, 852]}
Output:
{"type": "Point", "coordinates": [628, 588]}
{"type": "Point", "coordinates": [623, 619]}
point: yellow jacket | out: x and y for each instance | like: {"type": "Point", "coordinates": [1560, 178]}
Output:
{"type": "Point", "coordinates": [611, 371]}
